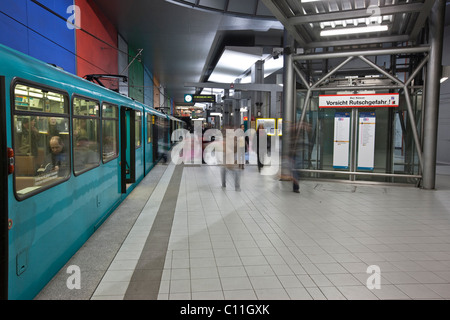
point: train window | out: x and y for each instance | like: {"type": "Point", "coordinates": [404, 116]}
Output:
{"type": "Point", "coordinates": [86, 150]}
{"type": "Point", "coordinates": [149, 128]}
{"type": "Point", "coordinates": [41, 139]}
{"type": "Point", "coordinates": [138, 128]}
{"type": "Point", "coordinates": [110, 132]}
{"type": "Point", "coordinates": [39, 100]}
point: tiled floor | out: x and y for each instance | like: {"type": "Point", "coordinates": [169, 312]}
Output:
{"type": "Point", "coordinates": [266, 242]}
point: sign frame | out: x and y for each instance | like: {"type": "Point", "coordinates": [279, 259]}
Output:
{"type": "Point", "coordinates": [371, 100]}
{"type": "Point", "coordinates": [366, 141]}
{"type": "Point", "coordinates": [341, 140]}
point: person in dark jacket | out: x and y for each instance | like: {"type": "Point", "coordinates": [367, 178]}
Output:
{"type": "Point", "coordinates": [59, 158]}
{"type": "Point", "coordinates": [299, 151]}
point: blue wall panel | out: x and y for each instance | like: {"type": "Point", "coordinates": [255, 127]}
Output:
{"type": "Point", "coordinates": [47, 36]}
{"type": "Point", "coordinates": [55, 29]}
{"type": "Point", "coordinates": [13, 34]}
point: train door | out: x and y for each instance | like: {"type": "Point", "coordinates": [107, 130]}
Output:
{"type": "Point", "coordinates": [3, 195]}
{"type": "Point", "coordinates": [127, 147]}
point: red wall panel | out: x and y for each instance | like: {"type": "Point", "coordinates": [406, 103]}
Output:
{"type": "Point", "coordinates": [96, 56]}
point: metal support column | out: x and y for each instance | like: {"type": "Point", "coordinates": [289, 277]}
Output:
{"type": "Point", "coordinates": [432, 94]}
{"type": "Point", "coordinates": [236, 105]}
{"type": "Point", "coordinates": [227, 107]}
{"type": "Point", "coordinates": [354, 144]}
{"type": "Point", "coordinates": [258, 77]}
{"type": "Point", "coordinates": [288, 105]}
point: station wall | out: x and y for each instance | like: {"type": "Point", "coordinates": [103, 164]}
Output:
{"type": "Point", "coordinates": [97, 43]}
{"type": "Point", "coordinates": [136, 74]}
{"type": "Point", "coordinates": [148, 87]}
{"type": "Point", "coordinates": [443, 147]}
{"type": "Point", "coordinates": [39, 33]}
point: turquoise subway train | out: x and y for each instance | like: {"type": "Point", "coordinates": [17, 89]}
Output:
{"type": "Point", "coordinates": [71, 153]}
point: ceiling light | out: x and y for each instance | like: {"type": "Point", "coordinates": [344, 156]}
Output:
{"type": "Point", "coordinates": [272, 65]}
{"type": "Point", "coordinates": [232, 64]}
{"type": "Point", "coordinates": [346, 31]}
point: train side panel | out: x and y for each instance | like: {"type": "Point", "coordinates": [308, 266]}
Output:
{"type": "Point", "coordinates": [49, 224]}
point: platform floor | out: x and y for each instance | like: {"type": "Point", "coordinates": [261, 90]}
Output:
{"type": "Point", "coordinates": [180, 235]}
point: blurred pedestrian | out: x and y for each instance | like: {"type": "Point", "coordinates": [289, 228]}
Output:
{"type": "Point", "coordinates": [230, 166]}
{"type": "Point", "coordinates": [299, 152]}
{"type": "Point", "coordinates": [242, 148]}
{"type": "Point", "coordinates": [259, 143]}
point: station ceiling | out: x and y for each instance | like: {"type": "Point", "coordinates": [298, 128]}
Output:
{"type": "Point", "coordinates": [181, 44]}
{"type": "Point", "coordinates": [182, 40]}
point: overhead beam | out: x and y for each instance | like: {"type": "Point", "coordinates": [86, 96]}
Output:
{"type": "Point", "coordinates": [237, 86]}
{"type": "Point", "coordinates": [354, 14]}
{"type": "Point", "coordinates": [345, 54]}
{"type": "Point", "coordinates": [284, 20]}
{"type": "Point", "coordinates": [352, 42]}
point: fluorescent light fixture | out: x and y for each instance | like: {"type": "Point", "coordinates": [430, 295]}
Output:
{"type": "Point", "coordinates": [21, 92]}
{"type": "Point", "coordinates": [273, 65]}
{"type": "Point", "coordinates": [443, 79]}
{"type": "Point", "coordinates": [36, 95]}
{"type": "Point", "coordinates": [231, 65]}
{"type": "Point", "coordinates": [346, 31]}
{"type": "Point", "coordinates": [221, 78]}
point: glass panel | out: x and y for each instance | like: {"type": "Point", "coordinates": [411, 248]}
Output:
{"type": "Point", "coordinates": [394, 149]}
{"type": "Point", "coordinates": [149, 128]}
{"type": "Point", "coordinates": [163, 136]}
{"type": "Point", "coordinates": [86, 150]}
{"type": "Point", "coordinates": [41, 152]}
{"type": "Point", "coordinates": [138, 129]}
{"type": "Point", "coordinates": [110, 111]}
{"type": "Point", "coordinates": [84, 107]}
{"type": "Point", "coordinates": [110, 140]}
{"type": "Point", "coordinates": [38, 100]}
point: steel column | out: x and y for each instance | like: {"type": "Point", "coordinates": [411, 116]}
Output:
{"type": "Point", "coordinates": [288, 105]}
{"type": "Point", "coordinates": [433, 90]}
